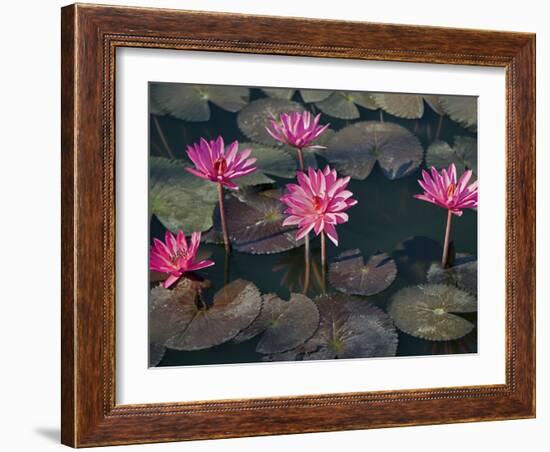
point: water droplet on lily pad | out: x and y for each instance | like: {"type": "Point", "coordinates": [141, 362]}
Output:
{"type": "Point", "coordinates": [461, 109]}
{"type": "Point", "coordinates": [179, 199]}
{"type": "Point", "coordinates": [190, 102]}
{"type": "Point", "coordinates": [349, 274]}
{"type": "Point", "coordinates": [463, 273]}
{"type": "Point", "coordinates": [463, 154]}
{"type": "Point", "coordinates": [253, 119]}
{"type": "Point", "coordinates": [234, 308]}
{"type": "Point", "coordinates": [409, 106]}
{"type": "Point", "coordinates": [428, 311]}
{"type": "Point", "coordinates": [255, 223]}
{"type": "Point", "coordinates": [355, 149]}
{"type": "Point", "coordinates": [284, 324]}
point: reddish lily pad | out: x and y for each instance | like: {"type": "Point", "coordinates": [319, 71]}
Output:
{"type": "Point", "coordinates": [255, 224]}
{"type": "Point", "coordinates": [349, 274]}
{"type": "Point", "coordinates": [190, 102]}
{"type": "Point", "coordinates": [234, 308]}
{"type": "Point", "coordinates": [428, 311]}
{"type": "Point", "coordinates": [284, 324]}
{"type": "Point", "coordinates": [461, 109]}
{"type": "Point", "coordinates": [253, 119]}
{"type": "Point", "coordinates": [463, 274]}
{"type": "Point", "coordinates": [355, 149]}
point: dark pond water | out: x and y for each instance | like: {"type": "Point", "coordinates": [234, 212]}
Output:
{"type": "Point", "coordinates": [386, 215]}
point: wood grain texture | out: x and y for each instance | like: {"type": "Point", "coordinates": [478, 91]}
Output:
{"type": "Point", "coordinates": [90, 36]}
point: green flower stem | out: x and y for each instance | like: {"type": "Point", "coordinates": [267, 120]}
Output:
{"type": "Point", "coordinates": [226, 242]}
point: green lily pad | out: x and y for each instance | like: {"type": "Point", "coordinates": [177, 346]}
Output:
{"type": "Point", "coordinates": [156, 353]}
{"type": "Point", "coordinates": [284, 324]}
{"type": "Point", "coordinates": [435, 103]}
{"type": "Point", "coordinates": [427, 311]}
{"type": "Point", "coordinates": [253, 119]}
{"type": "Point", "coordinates": [180, 200]}
{"type": "Point", "coordinates": [350, 328]}
{"type": "Point", "coordinates": [461, 109]}
{"type": "Point", "coordinates": [355, 149]}
{"type": "Point", "coordinates": [279, 93]}
{"type": "Point", "coordinates": [255, 224]}
{"type": "Point", "coordinates": [314, 95]}
{"type": "Point", "coordinates": [463, 154]}
{"type": "Point", "coordinates": [275, 161]}
{"type": "Point", "coordinates": [342, 105]}
{"type": "Point", "coordinates": [409, 106]}
{"type": "Point", "coordinates": [463, 274]}
{"type": "Point", "coordinates": [190, 102]}
{"type": "Point", "coordinates": [234, 308]}
{"type": "Point", "coordinates": [349, 274]}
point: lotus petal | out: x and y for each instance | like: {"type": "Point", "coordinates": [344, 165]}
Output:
{"type": "Point", "coordinates": [234, 308]}
{"type": "Point", "coordinates": [349, 274]}
{"type": "Point", "coordinates": [409, 106]}
{"type": "Point", "coordinates": [355, 149]}
{"type": "Point", "coordinates": [463, 274]}
{"type": "Point", "coordinates": [426, 311]}
{"type": "Point", "coordinates": [253, 119]}
{"type": "Point", "coordinates": [461, 109]}
{"type": "Point", "coordinates": [463, 154]}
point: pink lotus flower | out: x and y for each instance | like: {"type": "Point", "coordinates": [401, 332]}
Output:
{"type": "Point", "coordinates": [213, 162]}
{"type": "Point", "coordinates": [444, 191]}
{"type": "Point", "coordinates": [297, 129]}
{"type": "Point", "coordinates": [175, 256]}
{"type": "Point", "coordinates": [318, 202]}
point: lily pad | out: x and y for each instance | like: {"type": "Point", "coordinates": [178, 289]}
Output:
{"type": "Point", "coordinates": [427, 311]}
{"type": "Point", "coordinates": [461, 109]}
{"type": "Point", "coordinates": [179, 199]}
{"type": "Point", "coordinates": [274, 161]}
{"type": "Point", "coordinates": [342, 105]}
{"type": "Point", "coordinates": [435, 103]}
{"type": "Point", "coordinates": [255, 224]}
{"type": "Point", "coordinates": [463, 274]}
{"type": "Point", "coordinates": [409, 106]}
{"type": "Point", "coordinates": [156, 353]}
{"type": "Point", "coordinates": [349, 274]}
{"type": "Point", "coordinates": [351, 328]}
{"type": "Point", "coordinates": [463, 154]}
{"type": "Point", "coordinates": [234, 308]}
{"type": "Point", "coordinates": [284, 324]}
{"type": "Point", "coordinates": [279, 93]}
{"type": "Point", "coordinates": [190, 102]}
{"type": "Point", "coordinates": [314, 95]}
{"type": "Point", "coordinates": [355, 149]}
{"type": "Point", "coordinates": [253, 119]}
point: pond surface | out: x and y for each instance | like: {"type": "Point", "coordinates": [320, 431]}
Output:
{"type": "Point", "coordinates": [386, 219]}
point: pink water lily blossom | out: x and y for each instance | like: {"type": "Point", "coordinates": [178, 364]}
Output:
{"type": "Point", "coordinates": [297, 129]}
{"type": "Point", "coordinates": [318, 202]}
{"type": "Point", "coordinates": [216, 163]}
{"type": "Point", "coordinates": [445, 191]}
{"type": "Point", "coordinates": [175, 256]}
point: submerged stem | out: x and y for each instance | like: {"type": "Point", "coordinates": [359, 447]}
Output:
{"type": "Point", "coordinates": [162, 137]}
{"type": "Point", "coordinates": [222, 217]}
{"type": "Point", "coordinates": [308, 264]}
{"type": "Point", "coordinates": [381, 113]}
{"type": "Point", "coordinates": [226, 269]}
{"type": "Point", "coordinates": [324, 260]}
{"type": "Point", "coordinates": [445, 258]}
{"type": "Point", "coordinates": [438, 130]}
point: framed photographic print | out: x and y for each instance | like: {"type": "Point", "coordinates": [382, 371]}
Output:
{"type": "Point", "coordinates": [267, 231]}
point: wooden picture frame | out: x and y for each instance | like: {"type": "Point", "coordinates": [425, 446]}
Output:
{"type": "Point", "coordinates": [90, 36]}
